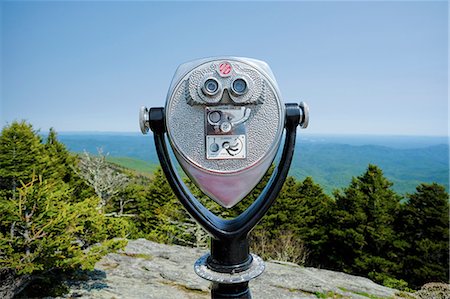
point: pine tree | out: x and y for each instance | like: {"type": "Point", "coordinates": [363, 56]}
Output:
{"type": "Point", "coordinates": [297, 224]}
{"type": "Point", "coordinates": [59, 164]}
{"type": "Point", "coordinates": [280, 216]}
{"type": "Point", "coordinates": [424, 226]}
{"type": "Point", "coordinates": [161, 216]}
{"type": "Point", "coordinates": [21, 156]}
{"type": "Point", "coordinates": [312, 220]}
{"type": "Point", "coordinates": [363, 240]}
{"type": "Point", "coordinates": [56, 159]}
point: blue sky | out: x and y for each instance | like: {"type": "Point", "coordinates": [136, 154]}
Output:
{"type": "Point", "coordinates": [363, 67]}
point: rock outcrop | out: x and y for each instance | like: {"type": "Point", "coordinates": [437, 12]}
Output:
{"type": "Point", "coordinates": [150, 270]}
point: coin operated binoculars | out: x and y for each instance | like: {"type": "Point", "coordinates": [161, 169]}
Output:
{"type": "Point", "coordinates": [225, 120]}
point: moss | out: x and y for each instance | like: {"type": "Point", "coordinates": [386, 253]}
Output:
{"type": "Point", "coordinates": [360, 293]}
{"type": "Point", "coordinates": [367, 295]}
{"type": "Point", "coordinates": [329, 294]}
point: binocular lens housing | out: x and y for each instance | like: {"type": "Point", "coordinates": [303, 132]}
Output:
{"type": "Point", "coordinates": [239, 86]}
{"type": "Point", "coordinates": [211, 86]}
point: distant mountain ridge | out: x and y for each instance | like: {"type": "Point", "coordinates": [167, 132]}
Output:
{"type": "Point", "coordinates": [330, 160]}
{"type": "Point", "coordinates": [333, 165]}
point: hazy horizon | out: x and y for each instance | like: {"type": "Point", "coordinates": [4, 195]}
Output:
{"type": "Point", "coordinates": [301, 131]}
{"type": "Point", "coordinates": [392, 141]}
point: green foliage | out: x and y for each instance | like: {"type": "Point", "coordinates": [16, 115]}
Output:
{"type": "Point", "coordinates": [303, 210]}
{"type": "Point", "coordinates": [56, 159]}
{"type": "Point", "coordinates": [23, 154]}
{"type": "Point", "coordinates": [312, 218]}
{"type": "Point", "coordinates": [20, 156]}
{"type": "Point", "coordinates": [60, 165]}
{"type": "Point", "coordinates": [159, 213]}
{"type": "Point", "coordinates": [423, 224]}
{"type": "Point", "coordinates": [362, 237]}
{"type": "Point", "coordinates": [40, 230]}
{"type": "Point", "coordinates": [278, 218]}
{"type": "Point", "coordinates": [398, 284]}
{"type": "Point", "coordinates": [50, 221]}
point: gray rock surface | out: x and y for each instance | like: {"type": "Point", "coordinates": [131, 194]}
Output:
{"type": "Point", "coordinates": [150, 270]}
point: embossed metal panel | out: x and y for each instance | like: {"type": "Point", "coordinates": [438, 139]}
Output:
{"type": "Point", "coordinates": [224, 119]}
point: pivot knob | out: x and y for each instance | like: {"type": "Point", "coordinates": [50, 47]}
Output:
{"type": "Point", "coordinates": [144, 121]}
{"type": "Point", "coordinates": [304, 116]}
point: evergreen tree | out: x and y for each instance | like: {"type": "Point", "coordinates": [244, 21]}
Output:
{"type": "Point", "coordinates": [313, 220]}
{"type": "Point", "coordinates": [297, 223]}
{"type": "Point", "coordinates": [129, 197]}
{"type": "Point", "coordinates": [424, 225]}
{"type": "Point", "coordinates": [21, 156]}
{"type": "Point", "coordinates": [41, 231]}
{"type": "Point", "coordinates": [57, 157]}
{"type": "Point", "coordinates": [363, 240]}
{"type": "Point", "coordinates": [161, 216]}
{"type": "Point", "coordinates": [280, 217]}
{"type": "Point", "coordinates": [60, 164]}
{"type": "Point", "coordinates": [45, 225]}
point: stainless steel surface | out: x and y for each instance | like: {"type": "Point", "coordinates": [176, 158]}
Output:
{"type": "Point", "coordinates": [256, 268]}
{"type": "Point", "coordinates": [143, 120]}
{"type": "Point", "coordinates": [227, 156]}
{"type": "Point", "coordinates": [226, 147]}
{"type": "Point", "coordinates": [226, 132]}
{"type": "Point", "coordinates": [239, 86]}
{"type": "Point", "coordinates": [304, 122]}
{"type": "Point", "coordinates": [206, 87]}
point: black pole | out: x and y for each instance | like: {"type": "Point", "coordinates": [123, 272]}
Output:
{"type": "Point", "coordinates": [230, 256]}
{"type": "Point", "coordinates": [230, 265]}
{"type": "Point", "coordinates": [237, 290]}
